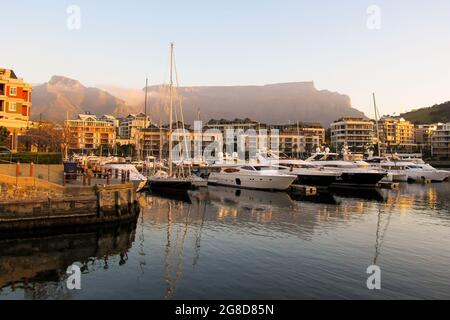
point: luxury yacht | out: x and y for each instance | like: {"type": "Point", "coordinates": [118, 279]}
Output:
{"type": "Point", "coordinates": [417, 171]}
{"type": "Point", "coordinates": [396, 172]}
{"type": "Point", "coordinates": [353, 173]}
{"type": "Point", "coordinates": [411, 170]}
{"type": "Point", "coordinates": [263, 177]}
{"type": "Point", "coordinates": [307, 173]}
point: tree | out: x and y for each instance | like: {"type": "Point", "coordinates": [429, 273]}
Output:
{"type": "Point", "coordinates": [46, 138]}
{"type": "Point", "coordinates": [3, 136]}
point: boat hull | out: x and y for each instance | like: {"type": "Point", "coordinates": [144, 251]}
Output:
{"type": "Point", "coordinates": [257, 182]}
{"type": "Point", "coordinates": [366, 179]}
{"type": "Point", "coordinates": [316, 180]}
{"type": "Point", "coordinates": [434, 176]}
{"type": "Point", "coordinates": [169, 185]}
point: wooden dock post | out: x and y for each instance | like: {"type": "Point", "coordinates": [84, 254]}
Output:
{"type": "Point", "coordinates": [304, 190]}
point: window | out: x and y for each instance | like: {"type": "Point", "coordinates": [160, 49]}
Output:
{"type": "Point", "coordinates": [12, 107]}
{"type": "Point", "coordinates": [13, 91]}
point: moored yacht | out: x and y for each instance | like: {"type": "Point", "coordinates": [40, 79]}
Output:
{"type": "Point", "coordinates": [417, 171]}
{"type": "Point", "coordinates": [262, 177]}
{"type": "Point", "coordinates": [307, 174]}
{"type": "Point", "coordinates": [396, 172]}
{"type": "Point", "coordinates": [353, 172]}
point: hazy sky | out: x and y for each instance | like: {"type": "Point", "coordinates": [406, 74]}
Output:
{"type": "Point", "coordinates": [406, 62]}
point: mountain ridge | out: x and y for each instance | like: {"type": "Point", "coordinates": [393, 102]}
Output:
{"type": "Point", "coordinates": [275, 103]}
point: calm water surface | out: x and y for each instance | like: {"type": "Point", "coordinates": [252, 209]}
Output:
{"type": "Point", "coordinates": [222, 243]}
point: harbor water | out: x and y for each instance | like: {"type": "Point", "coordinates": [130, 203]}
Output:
{"type": "Point", "coordinates": [224, 243]}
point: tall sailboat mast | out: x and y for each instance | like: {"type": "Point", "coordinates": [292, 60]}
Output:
{"type": "Point", "coordinates": [376, 123]}
{"type": "Point", "coordinates": [170, 109]}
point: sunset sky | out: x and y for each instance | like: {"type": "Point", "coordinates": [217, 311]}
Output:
{"type": "Point", "coordinates": [406, 61]}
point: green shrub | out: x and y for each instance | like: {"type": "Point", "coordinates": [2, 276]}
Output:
{"type": "Point", "coordinates": [28, 157]}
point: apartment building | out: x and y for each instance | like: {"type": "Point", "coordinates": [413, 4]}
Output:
{"type": "Point", "coordinates": [131, 124]}
{"type": "Point", "coordinates": [396, 132]}
{"type": "Point", "coordinates": [440, 141]}
{"type": "Point", "coordinates": [356, 133]}
{"type": "Point", "coordinates": [423, 134]}
{"type": "Point", "coordinates": [15, 105]}
{"type": "Point", "coordinates": [88, 133]}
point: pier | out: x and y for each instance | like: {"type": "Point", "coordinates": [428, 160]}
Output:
{"type": "Point", "coordinates": [29, 202]}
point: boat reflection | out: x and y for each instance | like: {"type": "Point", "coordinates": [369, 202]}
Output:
{"type": "Point", "coordinates": [365, 194]}
{"type": "Point", "coordinates": [253, 200]}
{"type": "Point", "coordinates": [322, 197]}
{"type": "Point", "coordinates": [37, 263]}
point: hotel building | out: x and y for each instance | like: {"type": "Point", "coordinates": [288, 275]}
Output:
{"type": "Point", "coordinates": [356, 133]}
{"type": "Point", "coordinates": [15, 105]}
{"type": "Point", "coordinates": [87, 133]}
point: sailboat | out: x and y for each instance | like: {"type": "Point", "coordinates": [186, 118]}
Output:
{"type": "Point", "coordinates": [170, 181]}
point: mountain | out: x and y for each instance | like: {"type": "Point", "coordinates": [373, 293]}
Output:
{"type": "Point", "coordinates": [434, 114]}
{"type": "Point", "coordinates": [273, 103]}
{"type": "Point", "coordinates": [62, 96]}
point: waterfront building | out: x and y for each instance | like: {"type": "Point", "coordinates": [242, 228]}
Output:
{"type": "Point", "coordinates": [300, 139]}
{"type": "Point", "coordinates": [440, 141]}
{"type": "Point", "coordinates": [88, 133]}
{"type": "Point", "coordinates": [15, 106]}
{"type": "Point", "coordinates": [237, 124]}
{"type": "Point", "coordinates": [152, 141]}
{"type": "Point", "coordinates": [423, 134]}
{"type": "Point", "coordinates": [356, 133]}
{"type": "Point", "coordinates": [131, 124]}
{"type": "Point", "coordinates": [396, 132]}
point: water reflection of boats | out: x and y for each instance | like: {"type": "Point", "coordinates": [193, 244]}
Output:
{"type": "Point", "coordinates": [322, 197]}
{"type": "Point", "coordinates": [181, 195]}
{"type": "Point", "coordinates": [244, 198]}
{"type": "Point", "coordinates": [366, 194]}
{"type": "Point", "coordinates": [32, 258]}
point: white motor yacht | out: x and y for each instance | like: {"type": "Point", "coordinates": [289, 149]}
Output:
{"type": "Point", "coordinates": [417, 171]}
{"type": "Point", "coordinates": [262, 177]}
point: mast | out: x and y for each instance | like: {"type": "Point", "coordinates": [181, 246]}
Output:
{"type": "Point", "coordinates": [170, 109]}
{"type": "Point", "coordinates": [376, 123]}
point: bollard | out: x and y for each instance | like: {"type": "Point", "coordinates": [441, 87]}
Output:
{"type": "Point", "coordinates": [31, 169]}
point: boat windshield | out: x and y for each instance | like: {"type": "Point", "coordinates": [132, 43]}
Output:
{"type": "Point", "coordinates": [326, 157]}
{"type": "Point", "coordinates": [265, 168]}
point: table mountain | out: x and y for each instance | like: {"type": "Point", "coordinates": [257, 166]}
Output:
{"type": "Point", "coordinates": [273, 103]}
